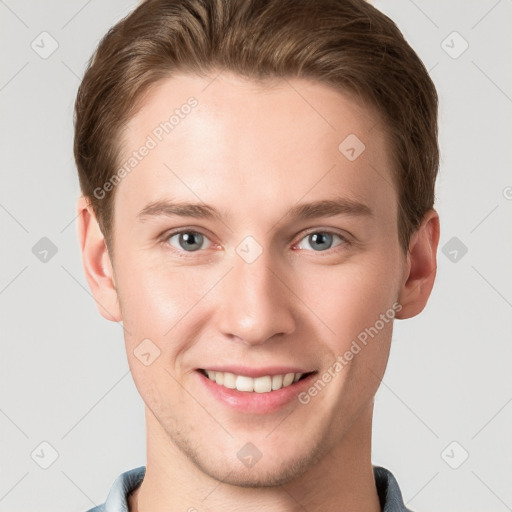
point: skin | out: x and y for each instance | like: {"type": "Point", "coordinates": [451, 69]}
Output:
{"type": "Point", "coordinates": [253, 151]}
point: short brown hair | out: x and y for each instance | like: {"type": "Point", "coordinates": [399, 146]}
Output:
{"type": "Point", "coordinates": [347, 44]}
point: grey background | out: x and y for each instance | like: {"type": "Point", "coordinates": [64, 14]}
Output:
{"type": "Point", "coordinates": [64, 376]}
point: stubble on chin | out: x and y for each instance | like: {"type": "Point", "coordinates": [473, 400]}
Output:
{"type": "Point", "coordinates": [227, 468]}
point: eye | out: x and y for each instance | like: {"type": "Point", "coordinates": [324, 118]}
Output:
{"type": "Point", "coordinates": [322, 240]}
{"type": "Point", "coordinates": [189, 241]}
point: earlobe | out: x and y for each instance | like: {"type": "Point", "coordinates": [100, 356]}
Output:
{"type": "Point", "coordinates": [96, 261]}
{"type": "Point", "coordinates": [421, 267]}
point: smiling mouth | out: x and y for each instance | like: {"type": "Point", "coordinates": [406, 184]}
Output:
{"type": "Point", "coordinates": [264, 384]}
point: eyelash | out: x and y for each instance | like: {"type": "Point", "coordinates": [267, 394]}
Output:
{"type": "Point", "coordinates": [345, 242]}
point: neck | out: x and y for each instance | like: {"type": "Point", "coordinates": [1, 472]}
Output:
{"type": "Point", "coordinates": [342, 479]}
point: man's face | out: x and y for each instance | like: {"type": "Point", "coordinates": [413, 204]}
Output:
{"type": "Point", "coordinates": [255, 290]}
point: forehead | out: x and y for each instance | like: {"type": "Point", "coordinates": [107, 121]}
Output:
{"type": "Point", "coordinates": [256, 147]}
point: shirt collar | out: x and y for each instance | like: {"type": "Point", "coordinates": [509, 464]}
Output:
{"type": "Point", "coordinates": [117, 501]}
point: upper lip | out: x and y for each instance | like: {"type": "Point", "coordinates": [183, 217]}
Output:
{"type": "Point", "coordinates": [256, 372]}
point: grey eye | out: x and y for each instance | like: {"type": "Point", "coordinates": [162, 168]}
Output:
{"type": "Point", "coordinates": [321, 240]}
{"type": "Point", "coordinates": [189, 241]}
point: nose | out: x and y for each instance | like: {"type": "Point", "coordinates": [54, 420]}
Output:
{"type": "Point", "coordinates": [255, 303]}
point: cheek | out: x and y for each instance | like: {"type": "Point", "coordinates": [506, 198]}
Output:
{"type": "Point", "coordinates": [154, 298]}
{"type": "Point", "coordinates": [350, 297]}
{"type": "Point", "coordinates": [155, 303]}
{"type": "Point", "coordinates": [164, 306]}
{"type": "Point", "coordinates": [356, 304]}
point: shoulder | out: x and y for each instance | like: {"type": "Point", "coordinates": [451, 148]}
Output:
{"type": "Point", "coordinates": [124, 484]}
{"type": "Point", "coordinates": [388, 490]}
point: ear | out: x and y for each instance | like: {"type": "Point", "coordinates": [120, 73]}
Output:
{"type": "Point", "coordinates": [420, 268]}
{"type": "Point", "coordinates": [96, 261]}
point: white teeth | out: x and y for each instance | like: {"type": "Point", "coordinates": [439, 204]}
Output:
{"type": "Point", "coordinates": [229, 380]}
{"type": "Point", "coordinates": [277, 382]}
{"type": "Point", "coordinates": [244, 383]}
{"type": "Point", "coordinates": [288, 379]}
{"type": "Point", "coordinates": [263, 384]}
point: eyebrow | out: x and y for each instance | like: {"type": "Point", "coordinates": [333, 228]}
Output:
{"type": "Point", "coordinates": [305, 211]}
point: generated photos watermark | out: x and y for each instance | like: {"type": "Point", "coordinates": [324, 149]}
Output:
{"type": "Point", "coordinates": [156, 136]}
{"type": "Point", "coordinates": [344, 359]}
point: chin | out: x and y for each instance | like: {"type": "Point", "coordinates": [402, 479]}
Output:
{"type": "Point", "coordinates": [272, 471]}
{"type": "Point", "coordinates": [258, 477]}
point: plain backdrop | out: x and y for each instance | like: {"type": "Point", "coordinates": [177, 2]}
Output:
{"type": "Point", "coordinates": [443, 413]}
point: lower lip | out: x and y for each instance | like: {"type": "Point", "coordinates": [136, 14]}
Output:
{"type": "Point", "coordinates": [255, 403]}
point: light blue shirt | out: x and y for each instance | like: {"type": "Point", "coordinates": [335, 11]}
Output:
{"type": "Point", "coordinates": [117, 501]}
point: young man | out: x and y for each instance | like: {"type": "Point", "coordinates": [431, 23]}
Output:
{"type": "Point", "coordinates": [258, 186]}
